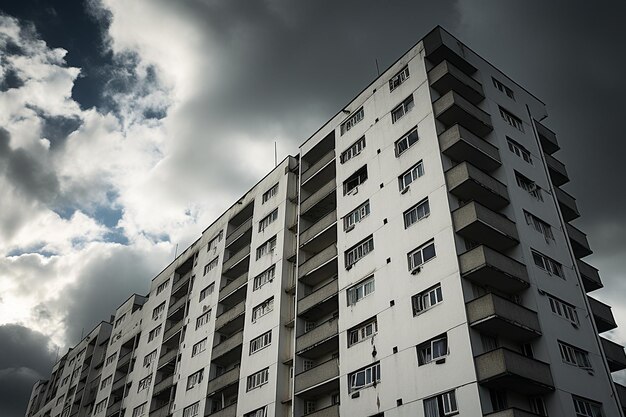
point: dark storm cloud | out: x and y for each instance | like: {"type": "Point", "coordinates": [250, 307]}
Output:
{"type": "Point", "coordinates": [25, 358]}
{"type": "Point", "coordinates": [57, 128]}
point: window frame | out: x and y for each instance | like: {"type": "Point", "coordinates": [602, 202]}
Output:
{"type": "Point", "coordinates": [402, 109]}
{"type": "Point", "coordinates": [411, 175]}
{"type": "Point", "coordinates": [355, 118]}
{"type": "Point", "coordinates": [355, 216]}
{"type": "Point", "coordinates": [420, 250]}
{"type": "Point", "coordinates": [358, 251]}
{"type": "Point", "coordinates": [399, 79]}
{"type": "Point", "coordinates": [366, 283]}
{"type": "Point", "coordinates": [353, 150]}
{"type": "Point", "coordinates": [372, 380]}
{"type": "Point", "coordinates": [419, 305]}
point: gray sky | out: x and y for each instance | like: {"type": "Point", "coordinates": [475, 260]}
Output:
{"type": "Point", "coordinates": [126, 128]}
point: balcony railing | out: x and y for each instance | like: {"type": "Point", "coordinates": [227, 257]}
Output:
{"type": "Point", "coordinates": [440, 45]}
{"type": "Point", "coordinates": [452, 108]}
{"type": "Point", "coordinates": [318, 165]}
{"type": "Point", "coordinates": [229, 315]}
{"type": "Point", "coordinates": [238, 232]}
{"type": "Point", "coordinates": [505, 369]}
{"type": "Point", "coordinates": [228, 411]}
{"type": "Point", "coordinates": [580, 244]}
{"type": "Point", "coordinates": [494, 315]}
{"type": "Point", "coordinates": [319, 195]}
{"type": "Point", "coordinates": [615, 355]}
{"type": "Point", "coordinates": [318, 296]}
{"type": "Point", "coordinates": [319, 334]}
{"type": "Point", "coordinates": [317, 260]}
{"type": "Point", "coordinates": [233, 286]}
{"type": "Point", "coordinates": [317, 375]}
{"type": "Point", "coordinates": [330, 411]}
{"type": "Point", "coordinates": [459, 144]}
{"type": "Point", "coordinates": [177, 306]}
{"type": "Point", "coordinates": [568, 205]}
{"type": "Point", "coordinates": [236, 258]}
{"type": "Point", "coordinates": [180, 283]}
{"type": "Point", "coordinates": [590, 276]}
{"type": "Point", "coordinates": [512, 412]}
{"type": "Point", "coordinates": [222, 381]}
{"type": "Point", "coordinates": [557, 171]}
{"type": "Point", "coordinates": [549, 143]}
{"type": "Point", "coordinates": [621, 394]}
{"type": "Point", "coordinates": [467, 182]}
{"type": "Point", "coordinates": [163, 385]}
{"type": "Point", "coordinates": [167, 357]}
{"type": "Point", "coordinates": [492, 269]}
{"type": "Point", "coordinates": [602, 315]}
{"type": "Point", "coordinates": [445, 77]}
{"type": "Point", "coordinates": [227, 345]}
{"type": "Point", "coordinates": [318, 227]}
{"type": "Point", "coordinates": [481, 225]}
{"type": "Point", "coordinates": [172, 330]}
{"type": "Point", "coordinates": [162, 411]}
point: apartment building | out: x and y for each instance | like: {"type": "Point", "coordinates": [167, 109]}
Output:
{"type": "Point", "coordinates": [417, 258]}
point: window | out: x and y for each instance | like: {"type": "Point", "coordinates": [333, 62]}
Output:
{"type": "Point", "coordinates": [364, 377]}
{"type": "Point", "coordinates": [309, 407]}
{"type": "Point", "coordinates": [100, 406]}
{"type": "Point", "coordinates": [149, 358]}
{"type": "Point", "coordinates": [354, 180]}
{"type": "Point", "coordinates": [110, 359]}
{"type": "Point", "coordinates": [213, 242]}
{"type": "Point", "coordinates": [120, 320]}
{"type": "Point", "coordinates": [352, 120]}
{"type": "Point", "coordinates": [139, 411]}
{"type": "Point", "coordinates": [586, 408]}
{"type": "Point", "coordinates": [192, 410]}
{"type": "Point", "coordinates": [399, 78]}
{"type": "Point", "coordinates": [267, 220]}
{"type": "Point", "coordinates": [353, 150]}
{"type": "Point", "coordinates": [156, 313]}
{"type": "Point", "coordinates": [67, 378]}
{"type": "Point", "coordinates": [519, 150]}
{"type": "Point", "coordinates": [208, 267]}
{"type": "Point", "coordinates": [421, 255]}
{"type": "Point", "coordinates": [266, 247]}
{"type": "Point", "coordinates": [498, 399]}
{"type": "Point", "coordinates": [441, 405]}
{"type": "Point", "coordinates": [511, 119]}
{"type": "Point", "coordinates": [529, 186]}
{"type": "Point", "coordinates": [539, 225]}
{"type": "Point", "coordinates": [194, 379]}
{"type": "Point", "coordinates": [207, 291]}
{"type": "Point", "coordinates": [106, 381]}
{"type": "Point", "coordinates": [356, 215]}
{"type": "Point", "coordinates": [354, 254]}
{"type": "Point", "coordinates": [411, 175]}
{"type": "Point", "coordinates": [162, 286]}
{"type": "Point", "coordinates": [406, 141]}
{"type": "Point", "coordinates": [574, 356]}
{"type": "Point", "coordinates": [262, 309]}
{"type": "Point", "coordinates": [360, 290]}
{"type": "Point", "coordinates": [66, 411]}
{"type": "Point", "coordinates": [503, 88]}
{"type": "Point", "coordinates": [416, 213]}
{"type": "Point", "coordinates": [154, 333]}
{"type": "Point", "coordinates": [432, 350]}
{"type": "Point", "coordinates": [257, 379]}
{"type": "Point", "coordinates": [203, 319]}
{"type": "Point", "coordinates": [404, 107]}
{"type": "Point", "coordinates": [538, 406]}
{"type": "Point", "coordinates": [563, 309]}
{"type": "Point", "coordinates": [260, 342]}
{"type": "Point", "coordinates": [259, 412]}
{"type": "Point", "coordinates": [264, 277]}
{"type": "Point", "coordinates": [548, 264]}
{"type": "Point", "coordinates": [144, 383]}
{"type": "Point", "coordinates": [198, 347]}
{"type": "Point", "coordinates": [269, 193]}
{"type": "Point", "coordinates": [362, 331]}
{"type": "Point", "coordinates": [427, 299]}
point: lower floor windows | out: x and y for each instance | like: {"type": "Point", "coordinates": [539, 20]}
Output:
{"type": "Point", "coordinates": [192, 410]}
{"type": "Point", "coordinates": [194, 379]}
{"type": "Point", "coordinates": [362, 331]}
{"type": "Point", "coordinates": [364, 377]}
{"type": "Point", "coordinates": [259, 412]}
{"type": "Point", "coordinates": [354, 254]}
{"type": "Point", "coordinates": [574, 356]}
{"type": "Point", "coordinates": [360, 290]}
{"type": "Point", "coordinates": [141, 410]}
{"type": "Point", "coordinates": [586, 408]}
{"type": "Point", "coordinates": [426, 299]}
{"type": "Point", "coordinates": [257, 379]}
{"type": "Point", "coordinates": [421, 255]}
{"type": "Point", "coordinates": [432, 350]}
{"type": "Point", "coordinates": [441, 405]}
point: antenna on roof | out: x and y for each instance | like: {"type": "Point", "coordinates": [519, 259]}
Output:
{"type": "Point", "coordinates": [275, 156]}
{"type": "Point", "coordinates": [176, 251]}
{"type": "Point", "coordinates": [377, 69]}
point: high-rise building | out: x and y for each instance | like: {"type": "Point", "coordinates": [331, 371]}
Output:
{"type": "Point", "coordinates": [415, 259]}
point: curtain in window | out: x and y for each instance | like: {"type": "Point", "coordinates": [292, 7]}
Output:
{"type": "Point", "coordinates": [431, 408]}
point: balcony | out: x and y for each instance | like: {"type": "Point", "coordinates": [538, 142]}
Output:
{"type": "Point", "coordinates": [237, 264]}
{"type": "Point", "coordinates": [317, 375]}
{"type": "Point", "coordinates": [557, 171]}
{"type": "Point", "coordinates": [615, 355]}
{"type": "Point", "coordinates": [445, 77]}
{"type": "Point", "coordinates": [494, 315]}
{"type": "Point", "coordinates": [479, 224]}
{"type": "Point", "coordinates": [602, 315]}
{"type": "Point", "coordinates": [505, 369]}
{"type": "Point", "coordinates": [320, 164]}
{"type": "Point", "coordinates": [567, 203]}
{"type": "Point", "coordinates": [227, 345]}
{"type": "Point", "coordinates": [318, 336]}
{"type": "Point", "coordinates": [590, 276]}
{"type": "Point", "coordinates": [331, 411]}
{"type": "Point", "coordinates": [162, 411]}
{"type": "Point", "coordinates": [114, 408]}
{"type": "Point", "coordinates": [163, 385]}
{"type": "Point", "coordinates": [580, 244]}
{"type": "Point", "coordinates": [467, 182]}
{"type": "Point", "coordinates": [461, 145]}
{"type": "Point", "coordinates": [124, 361]}
{"type": "Point", "coordinates": [228, 411]}
{"type": "Point", "coordinates": [172, 331]}
{"type": "Point", "coordinates": [322, 225]}
{"type": "Point", "coordinates": [317, 261]}
{"type": "Point", "coordinates": [233, 286]}
{"type": "Point", "coordinates": [452, 108]}
{"type": "Point", "coordinates": [321, 300]}
{"type": "Point", "coordinates": [230, 316]}
{"type": "Point", "coordinates": [492, 269]}
{"type": "Point", "coordinates": [167, 357]}
{"type": "Point", "coordinates": [440, 45]}
{"type": "Point", "coordinates": [178, 285]}
{"type": "Point", "coordinates": [548, 140]}
{"type": "Point", "coordinates": [220, 382]}
{"type": "Point", "coordinates": [177, 307]}
{"type": "Point", "coordinates": [512, 412]}
{"type": "Point", "coordinates": [322, 201]}
{"type": "Point", "coordinates": [239, 232]}
{"type": "Point", "coordinates": [621, 394]}
{"type": "Point", "coordinates": [118, 383]}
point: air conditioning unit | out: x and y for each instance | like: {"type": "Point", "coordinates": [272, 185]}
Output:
{"type": "Point", "coordinates": [205, 308]}
{"type": "Point", "coordinates": [405, 189]}
{"type": "Point", "coordinates": [416, 270]}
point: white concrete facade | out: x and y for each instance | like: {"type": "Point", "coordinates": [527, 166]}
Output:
{"type": "Point", "coordinates": [477, 327]}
